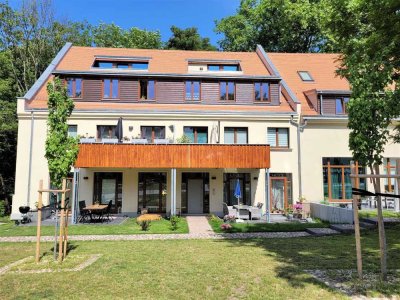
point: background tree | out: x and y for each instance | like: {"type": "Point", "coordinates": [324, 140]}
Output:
{"type": "Point", "coordinates": [368, 34]}
{"type": "Point", "coordinates": [61, 150]}
{"type": "Point", "coordinates": [284, 26]}
{"type": "Point", "coordinates": [111, 35]}
{"type": "Point", "coordinates": [188, 39]}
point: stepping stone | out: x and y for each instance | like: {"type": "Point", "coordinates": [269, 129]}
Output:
{"type": "Point", "coordinates": [343, 228]}
{"type": "Point", "coordinates": [321, 231]}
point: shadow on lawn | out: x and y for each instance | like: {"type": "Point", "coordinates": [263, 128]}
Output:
{"type": "Point", "coordinates": [331, 253]}
{"type": "Point", "coordinates": [50, 252]}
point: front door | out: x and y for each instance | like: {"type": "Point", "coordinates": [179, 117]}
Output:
{"type": "Point", "coordinates": [279, 199]}
{"type": "Point", "coordinates": [195, 196]}
{"type": "Point", "coordinates": [108, 187]}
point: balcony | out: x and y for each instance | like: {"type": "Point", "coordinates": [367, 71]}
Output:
{"type": "Point", "coordinates": [193, 156]}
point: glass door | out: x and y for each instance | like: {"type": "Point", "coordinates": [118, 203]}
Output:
{"type": "Point", "coordinates": [278, 194]}
{"type": "Point", "coordinates": [153, 192]}
{"type": "Point", "coordinates": [108, 187]}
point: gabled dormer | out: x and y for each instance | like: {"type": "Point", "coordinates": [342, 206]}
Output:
{"type": "Point", "coordinates": [329, 102]}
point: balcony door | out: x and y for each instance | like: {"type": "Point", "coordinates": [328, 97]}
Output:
{"type": "Point", "coordinates": [108, 187]}
{"type": "Point", "coordinates": [279, 197]}
{"type": "Point", "coordinates": [153, 192]}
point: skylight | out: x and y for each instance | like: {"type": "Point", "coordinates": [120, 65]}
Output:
{"type": "Point", "coordinates": [305, 76]}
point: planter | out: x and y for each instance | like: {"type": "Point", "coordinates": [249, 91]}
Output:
{"type": "Point", "coordinates": [87, 140]}
{"type": "Point", "coordinates": [161, 141]}
{"type": "Point", "coordinates": [139, 141]}
{"type": "Point", "coordinates": [109, 141]}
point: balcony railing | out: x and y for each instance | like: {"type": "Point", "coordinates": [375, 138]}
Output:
{"type": "Point", "coordinates": [173, 156]}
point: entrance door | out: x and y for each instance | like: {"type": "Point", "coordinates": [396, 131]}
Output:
{"type": "Point", "coordinates": [108, 187]}
{"type": "Point", "coordinates": [195, 196]}
{"type": "Point", "coordinates": [279, 199]}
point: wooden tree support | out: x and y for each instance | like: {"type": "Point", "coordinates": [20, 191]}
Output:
{"type": "Point", "coordinates": [63, 238]}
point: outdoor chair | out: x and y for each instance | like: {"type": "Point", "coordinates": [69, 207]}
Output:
{"type": "Point", "coordinates": [244, 214]}
{"type": "Point", "coordinates": [108, 210]}
{"type": "Point", "coordinates": [229, 210]}
{"type": "Point", "coordinates": [256, 213]}
{"type": "Point", "coordinates": [83, 214]}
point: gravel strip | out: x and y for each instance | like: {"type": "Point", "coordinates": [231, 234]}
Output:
{"type": "Point", "coordinates": [143, 237]}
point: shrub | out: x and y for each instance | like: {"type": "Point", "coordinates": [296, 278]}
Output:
{"type": "Point", "coordinates": [226, 227]}
{"type": "Point", "coordinates": [144, 225]}
{"type": "Point", "coordinates": [174, 220]}
{"type": "Point", "coordinates": [229, 218]}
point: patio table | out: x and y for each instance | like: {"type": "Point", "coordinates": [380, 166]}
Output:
{"type": "Point", "coordinates": [244, 207]}
{"type": "Point", "coordinates": [97, 210]}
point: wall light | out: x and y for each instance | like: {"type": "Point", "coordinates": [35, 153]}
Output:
{"type": "Point", "coordinates": [130, 128]}
{"type": "Point", "coordinates": [213, 178]}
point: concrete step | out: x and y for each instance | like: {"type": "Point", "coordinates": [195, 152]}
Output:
{"type": "Point", "coordinates": [367, 225]}
{"type": "Point", "coordinates": [343, 228]}
{"type": "Point", "coordinates": [386, 221]}
{"type": "Point", "coordinates": [321, 231]}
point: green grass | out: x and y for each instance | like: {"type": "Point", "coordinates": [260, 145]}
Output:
{"type": "Point", "coordinates": [374, 213]}
{"type": "Point", "coordinates": [200, 269]}
{"type": "Point", "coordinates": [264, 227]}
{"type": "Point", "coordinates": [127, 227]}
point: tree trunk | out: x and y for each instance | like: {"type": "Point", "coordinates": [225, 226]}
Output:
{"type": "Point", "coordinates": [381, 226]}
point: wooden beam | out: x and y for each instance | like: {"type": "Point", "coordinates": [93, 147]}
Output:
{"type": "Point", "coordinates": [39, 222]}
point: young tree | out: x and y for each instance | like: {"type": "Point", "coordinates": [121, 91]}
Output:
{"type": "Point", "coordinates": [61, 150]}
{"type": "Point", "coordinates": [188, 39]}
{"type": "Point", "coordinates": [368, 36]}
{"type": "Point", "coordinates": [285, 26]}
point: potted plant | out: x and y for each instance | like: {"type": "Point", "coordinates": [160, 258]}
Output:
{"type": "Point", "coordinates": [86, 139]}
{"type": "Point", "coordinates": [126, 140]}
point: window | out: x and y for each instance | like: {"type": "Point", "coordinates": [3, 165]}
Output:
{"type": "Point", "coordinates": [261, 91]}
{"type": "Point", "coordinates": [106, 131]}
{"type": "Point", "coordinates": [72, 131]}
{"type": "Point", "coordinates": [197, 135]}
{"type": "Point", "coordinates": [389, 167]}
{"type": "Point", "coordinates": [74, 87]}
{"type": "Point", "coordinates": [122, 65]}
{"type": "Point", "coordinates": [230, 182]}
{"type": "Point", "coordinates": [104, 65]}
{"type": "Point", "coordinates": [147, 88]}
{"type": "Point", "coordinates": [152, 132]}
{"type": "Point", "coordinates": [235, 135]}
{"type": "Point", "coordinates": [152, 192]}
{"type": "Point", "coordinates": [336, 175]}
{"type": "Point", "coordinates": [227, 91]}
{"type": "Point", "coordinates": [226, 68]}
{"type": "Point", "coordinates": [305, 76]}
{"type": "Point", "coordinates": [110, 88]}
{"type": "Point", "coordinates": [341, 105]}
{"type": "Point", "coordinates": [140, 66]}
{"type": "Point", "coordinates": [192, 89]}
{"type": "Point", "coordinates": [278, 137]}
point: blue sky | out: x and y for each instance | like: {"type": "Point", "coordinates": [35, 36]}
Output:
{"type": "Point", "coordinates": [149, 14]}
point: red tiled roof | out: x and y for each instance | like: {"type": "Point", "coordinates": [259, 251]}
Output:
{"type": "Point", "coordinates": [321, 66]}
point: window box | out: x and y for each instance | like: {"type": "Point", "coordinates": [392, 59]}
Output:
{"type": "Point", "coordinates": [139, 141]}
{"type": "Point", "coordinates": [109, 141]}
{"type": "Point", "coordinates": [161, 141]}
{"type": "Point", "coordinates": [87, 140]}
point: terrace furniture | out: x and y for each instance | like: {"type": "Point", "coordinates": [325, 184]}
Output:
{"type": "Point", "coordinates": [96, 212]}
{"type": "Point", "coordinates": [83, 213]}
{"type": "Point", "coordinates": [255, 213]}
{"type": "Point", "coordinates": [108, 209]}
{"type": "Point", "coordinates": [243, 211]}
{"type": "Point", "coordinates": [229, 210]}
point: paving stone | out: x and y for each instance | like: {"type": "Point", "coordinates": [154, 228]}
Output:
{"type": "Point", "coordinates": [343, 228]}
{"type": "Point", "coordinates": [321, 231]}
{"type": "Point", "coordinates": [367, 225]}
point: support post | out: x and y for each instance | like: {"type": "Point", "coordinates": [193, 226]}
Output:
{"type": "Point", "coordinates": [397, 200]}
{"type": "Point", "coordinates": [39, 221]}
{"type": "Point", "coordinates": [356, 223]}
{"type": "Point", "coordinates": [173, 192]}
{"type": "Point", "coordinates": [61, 236]}
{"type": "Point", "coordinates": [65, 234]}
{"type": "Point", "coordinates": [75, 197]}
{"type": "Point", "coordinates": [267, 196]}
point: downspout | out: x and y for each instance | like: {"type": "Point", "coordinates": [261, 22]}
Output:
{"type": "Point", "coordinates": [28, 196]}
{"type": "Point", "coordinates": [300, 128]}
{"type": "Point", "coordinates": [320, 103]}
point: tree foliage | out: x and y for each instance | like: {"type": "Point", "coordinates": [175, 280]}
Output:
{"type": "Point", "coordinates": [111, 35]}
{"type": "Point", "coordinates": [285, 26]}
{"type": "Point", "coordinates": [188, 39]}
{"type": "Point", "coordinates": [61, 150]}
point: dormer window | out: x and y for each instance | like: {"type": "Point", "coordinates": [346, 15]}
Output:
{"type": "Point", "coordinates": [341, 104]}
{"type": "Point", "coordinates": [123, 65]}
{"type": "Point", "coordinates": [226, 68]}
{"type": "Point", "coordinates": [74, 87]}
{"type": "Point", "coordinates": [305, 76]}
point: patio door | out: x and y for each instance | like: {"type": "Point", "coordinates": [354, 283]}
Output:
{"type": "Point", "coordinates": [279, 197]}
{"type": "Point", "coordinates": [108, 187]}
{"type": "Point", "coordinates": [153, 192]}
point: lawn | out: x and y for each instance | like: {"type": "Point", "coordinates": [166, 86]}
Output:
{"type": "Point", "coordinates": [199, 269]}
{"type": "Point", "coordinates": [128, 227]}
{"type": "Point", "coordinates": [264, 227]}
{"type": "Point", "coordinates": [374, 213]}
